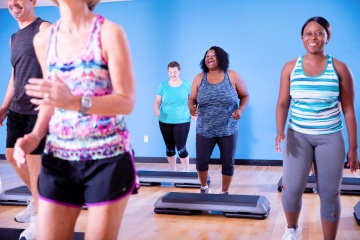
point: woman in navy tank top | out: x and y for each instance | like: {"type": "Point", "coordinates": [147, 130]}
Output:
{"type": "Point", "coordinates": [214, 98]}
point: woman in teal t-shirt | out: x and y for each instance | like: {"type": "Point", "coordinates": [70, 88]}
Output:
{"type": "Point", "coordinates": [171, 108]}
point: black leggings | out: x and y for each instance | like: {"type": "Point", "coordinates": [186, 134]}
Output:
{"type": "Point", "coordinates": [205, 147]}
{"type": "Point", "coordinates": [175, 135]}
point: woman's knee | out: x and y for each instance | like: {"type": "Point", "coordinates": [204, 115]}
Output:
{"type": "Point", "coordinates": [202, 166]}
{"type": "Point", "coordinates": [183, 153]}
{"type": "Point", "coordinates": [331, 216]}
{"type": "Point", "coordinates": [170, 152]}
{"type": "Point", "coordinates": [291, 202]}
{"type": "Point", "coordinates": [291, 196]}
{"type": "Point", "coordinates": [330, 206]}
{"type": "Point", "coordinates": [228, 169]}
{"type": "Point", "coordinates": [9, 155]}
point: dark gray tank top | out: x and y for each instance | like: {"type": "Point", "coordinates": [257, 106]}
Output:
{"type": "Point", "coordinates": [25, 65]}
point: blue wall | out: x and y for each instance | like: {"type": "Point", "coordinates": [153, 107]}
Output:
{"type": "Point", "coordinates": [260, 37]}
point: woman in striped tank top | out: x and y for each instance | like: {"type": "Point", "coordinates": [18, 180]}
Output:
{"type": "Point", "coordinates": [88, 157]}
{"type": "Point", "coordinates": [311, 86]}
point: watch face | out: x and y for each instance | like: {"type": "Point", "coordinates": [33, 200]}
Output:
{"type": "Point", "coordinates": [87, 102]}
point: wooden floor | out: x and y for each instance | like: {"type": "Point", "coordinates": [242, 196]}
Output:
{"type": "Point", "coordinates": [140, 221]}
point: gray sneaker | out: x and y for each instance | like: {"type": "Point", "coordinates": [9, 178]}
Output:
{"type": "Point", "coordinates": [24, 215]}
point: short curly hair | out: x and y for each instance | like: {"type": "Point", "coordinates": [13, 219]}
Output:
{"type": "Point", "coordinates": [91, 3]}
{"type": "Point", "coordinates": [222, 57]}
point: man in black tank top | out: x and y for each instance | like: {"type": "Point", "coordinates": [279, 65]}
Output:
{"type": "Point", "coordinates": [20, 112]}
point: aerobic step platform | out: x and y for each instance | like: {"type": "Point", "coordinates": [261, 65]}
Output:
{"type": "Point", "coordinates": [240, 206]}
{"type": "Point", "coordinates": [180, 179]}
{"type": "Point", "coordinates": [16, 196]}
{"type": "Point", "coordinates": [349, 186]}
{"type": "Point", "coordinates": [357, 213]}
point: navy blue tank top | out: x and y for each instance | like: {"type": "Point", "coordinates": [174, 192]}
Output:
{"type": "Point", "coordinates": [216, 103]}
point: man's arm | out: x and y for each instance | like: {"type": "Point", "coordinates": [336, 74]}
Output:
{"type": "Point", "coordinates": [8, 96]}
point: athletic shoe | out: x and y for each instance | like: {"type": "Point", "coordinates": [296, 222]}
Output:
{"type": "Point", "coordinates": [30, 232]}
{"type": "Point", "coordinates": [225, 192]}
{"type": "Point", "coordinates": [205, 190]}
{"type": "Point", "coordinates": [24, 215]}
{"type": "Point", "coordinates": [291, 233]}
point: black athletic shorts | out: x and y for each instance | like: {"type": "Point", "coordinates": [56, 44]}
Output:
{"type": "Point", "coordinates": [93, 182]}
{"type": "Point", "coordinates": [17, 126]}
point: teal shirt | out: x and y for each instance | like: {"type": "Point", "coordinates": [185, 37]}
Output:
{"type": "Point", "coordinates": [174, 103]}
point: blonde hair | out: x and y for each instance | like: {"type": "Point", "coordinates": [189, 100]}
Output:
{"type": "Point", "coordinates": [91, 3]}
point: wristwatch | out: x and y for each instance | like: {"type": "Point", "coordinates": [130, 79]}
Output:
{"type": "Point", "coordinates": [86, 103]}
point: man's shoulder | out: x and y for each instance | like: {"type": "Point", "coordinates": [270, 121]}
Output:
{"type": "Point", "coordinates": [41, 20]}
{"type": "Point", "coordinates": [43, 24]}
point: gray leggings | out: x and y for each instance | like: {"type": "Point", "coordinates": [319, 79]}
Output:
{"type": "Point", "coordinates": [327, 152]}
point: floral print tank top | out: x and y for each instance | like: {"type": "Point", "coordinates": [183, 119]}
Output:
{"type": "Point", "coordinates": [75, 136]}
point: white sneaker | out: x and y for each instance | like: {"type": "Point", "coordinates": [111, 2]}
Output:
{"type": "Point", "coordinates": [205, 190]}
{"type": "Point", "coordinates": [24, 215]}
{"type": "Point", "coordinates": [30, 232]}
{"type": "Point", "coordinates": [291, 233]}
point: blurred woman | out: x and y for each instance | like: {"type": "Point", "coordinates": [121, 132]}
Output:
{"type": "Point", "coordinates": [88, 157]}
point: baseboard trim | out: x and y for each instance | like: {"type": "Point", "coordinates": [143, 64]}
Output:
{"type": "Point", "coordinates": [255, 162]}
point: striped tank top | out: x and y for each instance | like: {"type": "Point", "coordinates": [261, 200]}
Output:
{"type": "Point", "coordinates": [216, 103]}
{"type": "Point", "coordinates": [314, 107]}
{"type": "Point", "coordinates": [75, 136]}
